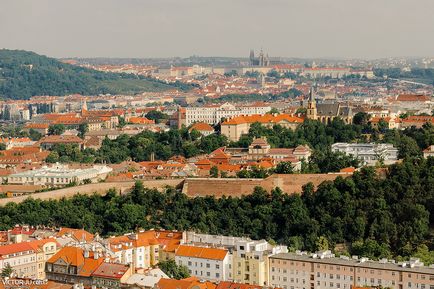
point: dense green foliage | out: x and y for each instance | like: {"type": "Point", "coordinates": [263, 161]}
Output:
{"type": "Point", "coordinates": [174, 270]}
{"type": "Point", "coordinates": [24, 74]}
{"type": "Point", "coordinates": [376, 217]}
{"type": "Point", "coordinates": [318, 136]}
{"type": "Point", "coordinates": [140, 147]}
{"type": "Point", "coordinates": [292, 93]}
{"type": "Point", "coordinates": [157, 116]}
{"type": "Point", "coordinates": [424, 75]}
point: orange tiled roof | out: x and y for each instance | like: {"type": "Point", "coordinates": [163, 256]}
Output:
{"type": "Point", "coordinates": [201, 126]}
{"type": "Point", "coordinates": [201, 252]}
{"type": "Point", "coordinates": [75, 256]}
{"type": "Point", "coordinates": [141, 120]}
{"type": "Point", "coordinates": [15, 248]}
{"type": "Point", "coordinates": [412, 97]}
{"type": "Point", "coordinates": [37, 125]}
{"type": "Point", "coordinates": [266, 118]}
{"type": "Point", "coordinates": [419, 118]}
{"type": "Point", "coordinates": [78, 234]}
{"type": "Point", "coordinates": [61, 139]}
{"type": "Point", "coordinates": [232, 285]}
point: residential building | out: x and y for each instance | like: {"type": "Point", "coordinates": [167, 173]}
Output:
{"type": "Point", "coordinates": [188, 283]}
{"type": "Point", "coordinates": [251, 261]}
{"type": "Point", "coordinates": [16, 142]}
{"type": "Point", "coordinates": [233, 285]}
{"type": "Point", "coordinates": [27, 259]}
{"type": "Point", "coordinates": [237, 126]}
{"type": "Point", "coordinates": [109, 275]}
{"type": "Point", "coordinates": [73, 265]}
{"type": "Point", "coordinates": [147, 280]}
{"type": "Point", "coordinates": [323, 270]}
{"type": "Point", "coordinates": [49, 141]}
{"type": "Point", "coordinates": [212, 264]}
{"type": "Point", "coordinates": [140, 249]}
{"type": "Point", "coordinates": [416, 120]}
{"type": "Point", "coordinates": [368, 153]}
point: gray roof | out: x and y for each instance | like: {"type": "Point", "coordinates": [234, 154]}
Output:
{"type": "Point", "coordinates": [354, 263]}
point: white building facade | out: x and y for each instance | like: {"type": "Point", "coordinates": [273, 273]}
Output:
{"type": "Point", "coordinates": [213, 114]}
{"type": "Point", "coordinates": [205, 263]}
{"type": "Point", "coordinates": [368, 153]}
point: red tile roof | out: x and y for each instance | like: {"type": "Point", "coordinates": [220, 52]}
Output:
{"type": "Point", "coordinates": [201, 252]}
{"type": "Point", "coordinates": [201, 126]}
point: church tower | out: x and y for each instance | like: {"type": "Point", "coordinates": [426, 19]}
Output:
{"type": "Point", "coordinates": [252, 57]}
{"type": "Point", "coordinates": [83, 107]}
{"type": "Point", "coordinates": [311, 106]}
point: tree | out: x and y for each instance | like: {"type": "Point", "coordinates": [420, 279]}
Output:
{"type": "Point", "coordinates": [273, 111]}
{"type": "Point", "coordinates": [408, 148]}
{"type": "Point", "coordinates": [157, 116]}
{"type": "Point", "coordinates": [322, 243]}
{"type": "Point", "coordinates": [382, 125]}
{"type": "Point", "coordinates": [214, 172]}
{"type": "Point", "coordinates": [34, 135]}
{"type": "Point", "coordinates": [361, 118]}
{"type": "Point", "coordinates": [6, 271]}
{"type": "Point", "coordinates": [174, 270]}
{"type": "Point", "coordinates": [301, 110]}
{"type": "Point", "coordinates": [284, 168]}
{"type": "Point", "coordinates": [83, 128]}
{"type": "Point", "coordinates": [56, 129]}
{"type": "Point", "coordinates": [2, 146]}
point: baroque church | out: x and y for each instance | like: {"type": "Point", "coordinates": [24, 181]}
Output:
{"type": "Point", "coordinates": [326, 112]}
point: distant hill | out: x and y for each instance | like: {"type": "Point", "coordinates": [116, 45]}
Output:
{"type": "Point", "coordinates": [24, 74]}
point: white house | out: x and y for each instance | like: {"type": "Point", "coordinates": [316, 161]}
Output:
{"type": "Point", "coordinates": [205, 263]}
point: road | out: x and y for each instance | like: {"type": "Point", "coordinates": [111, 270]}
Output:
{"type": "Point", "coordinates": [99, 188]}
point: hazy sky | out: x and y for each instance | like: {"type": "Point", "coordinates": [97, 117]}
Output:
{"type": "Point", "coordinates": [163, 28]}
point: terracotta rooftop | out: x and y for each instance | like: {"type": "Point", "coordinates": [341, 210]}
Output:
{"type": "Point", "coordinates": [201, 252]}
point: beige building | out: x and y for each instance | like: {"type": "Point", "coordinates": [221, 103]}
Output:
{"type": "Point", "coordinates": [251, 261]}
{"type": "Point", "coordinates": [323, 270]}
{"type": "Point", "coordinates": [235, 127]}
{"type": "Point", "coordinates": [28, 259]}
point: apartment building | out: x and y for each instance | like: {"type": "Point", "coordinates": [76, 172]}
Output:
{"type": "Point", "coordinates": [212, 264]}
{"type": "Point", "coordinates": [325, 271]}
{"type": "Point", "coordinates": [139, 249]}
{"type": "Point", "coordinates": [368, 153]}
{"type": "Point", "coordinates": [213, 114]}
{"type": "Point", "coordinates": [27, 259]}
{"type": "Point", "coordinates": [249, 259]}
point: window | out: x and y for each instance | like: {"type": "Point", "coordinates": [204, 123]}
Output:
{"type": "Point", "coordinates": [217, 266]}
{"type": "Point", "coordinates": [217, 275]}
{"type": "Point", "coordinates": [208, 265]}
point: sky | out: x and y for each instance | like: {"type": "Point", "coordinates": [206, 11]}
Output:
{"type": "Point", "coordinates": [167, 28]}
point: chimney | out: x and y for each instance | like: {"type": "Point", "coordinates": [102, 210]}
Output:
{"type": "Point", "coordinates": [86, 253]}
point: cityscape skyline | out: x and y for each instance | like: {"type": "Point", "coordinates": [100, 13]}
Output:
{"type": "Point", "coordinates": [154, 29]}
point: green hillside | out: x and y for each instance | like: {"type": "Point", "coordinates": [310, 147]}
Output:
{"type": "Point", "coordinates": [24, 74]}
